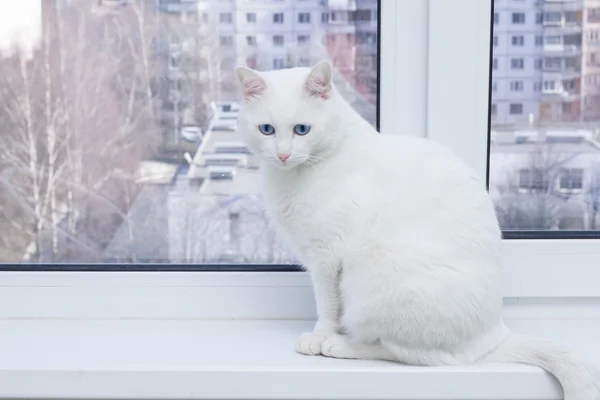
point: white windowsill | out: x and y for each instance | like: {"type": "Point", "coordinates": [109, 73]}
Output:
{"type": "Point", "coordinates": [235, 359]}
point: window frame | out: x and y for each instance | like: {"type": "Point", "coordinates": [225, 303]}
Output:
{"type": "Point", "coordinates": [418, 98]}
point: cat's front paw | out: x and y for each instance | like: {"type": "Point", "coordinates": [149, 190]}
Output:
{"type": "Point", "coordinates": [337, 346]}
{"type": "Point", "coordinates": [310, 344]}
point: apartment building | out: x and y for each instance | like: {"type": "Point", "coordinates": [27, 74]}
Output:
{"type": "Point", "coordinates": [544, 61]}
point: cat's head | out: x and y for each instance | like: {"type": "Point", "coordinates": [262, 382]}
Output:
{"type": "Point", "coordinates": [288, 115]}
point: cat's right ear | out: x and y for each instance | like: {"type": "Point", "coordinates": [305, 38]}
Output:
{"type": "Point", "coordinates": [252, 84]}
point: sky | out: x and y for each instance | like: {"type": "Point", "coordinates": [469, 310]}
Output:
{"type": "Point", "coordinates": [20, 21]}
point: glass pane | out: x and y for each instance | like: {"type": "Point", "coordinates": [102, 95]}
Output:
{"type": "Point", "coordinates": [545, 114]}
{"type": "Point", "coordinates": [118, 122]}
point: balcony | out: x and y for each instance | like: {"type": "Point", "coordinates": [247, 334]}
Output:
{"type": "Point", "coordinates": [562, 5]}
{"type": "Point", "coordinates": [562, 49]}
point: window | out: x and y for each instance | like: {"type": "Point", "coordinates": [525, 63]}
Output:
{"type": "Point", "coordinates": [225, 18]}
{"type": "Point", "coordinates": [518, 40]}
{"type": "Point", "coordinates": [515, 109]}
{"type": "Point", "coordinates": [139, 206]}
{"type": "Point", "coordinates": [539, 18]}
{"type": "Point", "coordinates": [549, 85]}
{"type": "Point", "coordinates": [518, 18]}
{"type": "Point", "coordinates": [516, 86]}
{"type": "Point", "coordinates": [277, 40]}
{"type": "Point", "coordinates": [303, 38]}
{"type": "Point", "coordinates": [495, 41]}
{"type": "Point", "coordinates": [517, 63]}
{"type": "Point", "coordinates": [119, 216]}
{"type": "Point", "coordinates": [593, 14]}
{"type": "Point", "coordinates": [553, 17]}
{"type": "Point", "coordinates": [494, 86]}
{"type": "Point", "coordinates": [539, 40]}
{"type": "Point", "coordinates": [552, 40]}
{"type": "Point", "coordinates": [539, 148]}
{"type": "Point", "coordinates": [226, 40]}
{"type": "Point", "coordinates": [571, 179]}
{"type": "Point", "coordinates": [552, 63]}
{"type": "Point", "coordinates": [304, 18]}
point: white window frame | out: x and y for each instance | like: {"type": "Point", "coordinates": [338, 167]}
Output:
{"type": "Point", "coordinates": [422, 78]}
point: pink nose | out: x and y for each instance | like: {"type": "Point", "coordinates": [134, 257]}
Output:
{"type": "Point", "coordinates": [283, 156]}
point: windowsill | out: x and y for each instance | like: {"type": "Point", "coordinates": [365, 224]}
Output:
{"type": "Point", "coordinates": [176, 359]}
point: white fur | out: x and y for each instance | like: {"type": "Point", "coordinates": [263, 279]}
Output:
{"type": "Point", "coordinates": [400, 237]}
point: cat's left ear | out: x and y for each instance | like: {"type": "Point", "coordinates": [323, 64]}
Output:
{"type": "Point", "coordinates": [252, 84]}
{"type": "Point", "coordinates": [318, 83]}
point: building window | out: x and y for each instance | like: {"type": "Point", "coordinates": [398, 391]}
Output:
{"type": "Point", "coordinates": [518, 18]}
{"type": "Point", "coordinates": [324, 17]}
{"type": "Point", "coordinates": [566, 108]}
{"type": "Point", "coordinates": [552, 39]}
{"type": "Point", "coordinates": [539, 40]}
{"type": "Point", "coordinates": [494, 86]}
{"type": "Point", "coordinates": [360, 15]}
{"type": "Point", "coordinates": [225, 18]}
{"type": "Point", "coordinates": [549, 85]}
{"type": "Point", "coordinates": [537, 86]}
{"type": "Point", "coordinates": [517, 63]}
{"type": "Point", "coordinates": [495, 63]}
{"type": "Point", "coordinates": [251, 40]}
{"type": "Point", "coordinates": [251, 18]}
{"type": "Point", "coordinates": [553, 16]}
{"type": "Point", "coordinates": [496, 18]}
{"type": "Point", "coordinates": [278, 18]}
{"type": "Point", "coordinates": [226, 40]}
{"type": "Point", "coordinates": [495, 41]}
{"type": "Point", "coordinates": [278, 63]}
{"type": "Point", "coordinates": [304, 18]}
{"type": "Point", "coordinates": [515, 109]}
{"type": "Point", "coordinates": [494, 109]}
{"type": "Point", "coordinates": [518, 40]}
{"type": "Point", "coordinates": [278, 40]}
{"type": "Point", "coordinates": [569, 84]}
{"type": "Point", "coordinates": [303, 38]}
{"type": "Point", "coordinates": [539, 18]}
{"type": "Point", "coordinates": [303, 62]}
{"type": "Point", "coordinates": [572, 178]}
{"type": "Point", "coordinates": [516, 86]}
{"type": "Point", "coordinates": [553, 63]}
{"type": "Point", "coordinates": [593, 14]}
{"type": "Point", "coordinates": [533, 179]}
{"type": "Point", "coordinates": [538, 63]}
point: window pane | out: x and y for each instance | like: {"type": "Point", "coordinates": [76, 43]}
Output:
{"type": "Point", "coordinates": [545, 139]}
{"type": "Point", "coordinates": [119, 118]}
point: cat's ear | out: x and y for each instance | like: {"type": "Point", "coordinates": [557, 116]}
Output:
{"type": "Point", "coordinates": [252, 84]}
{"type": "Point", "coordinates": [318, 83]}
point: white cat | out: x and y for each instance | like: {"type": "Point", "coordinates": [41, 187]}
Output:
{"type": "Point", "coordinates": [399, 236]}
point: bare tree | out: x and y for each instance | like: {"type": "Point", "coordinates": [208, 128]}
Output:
{"type": "Point", "coordinates": [527, 194]}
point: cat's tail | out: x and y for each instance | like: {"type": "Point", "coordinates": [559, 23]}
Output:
{"type": "Point", "coordinates": [579, 381]}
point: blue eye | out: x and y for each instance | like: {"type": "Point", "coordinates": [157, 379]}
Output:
{"type": "Point", "coordinates": [301, 129]}
{"type": "Point", "coordinates": [266, 129]}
